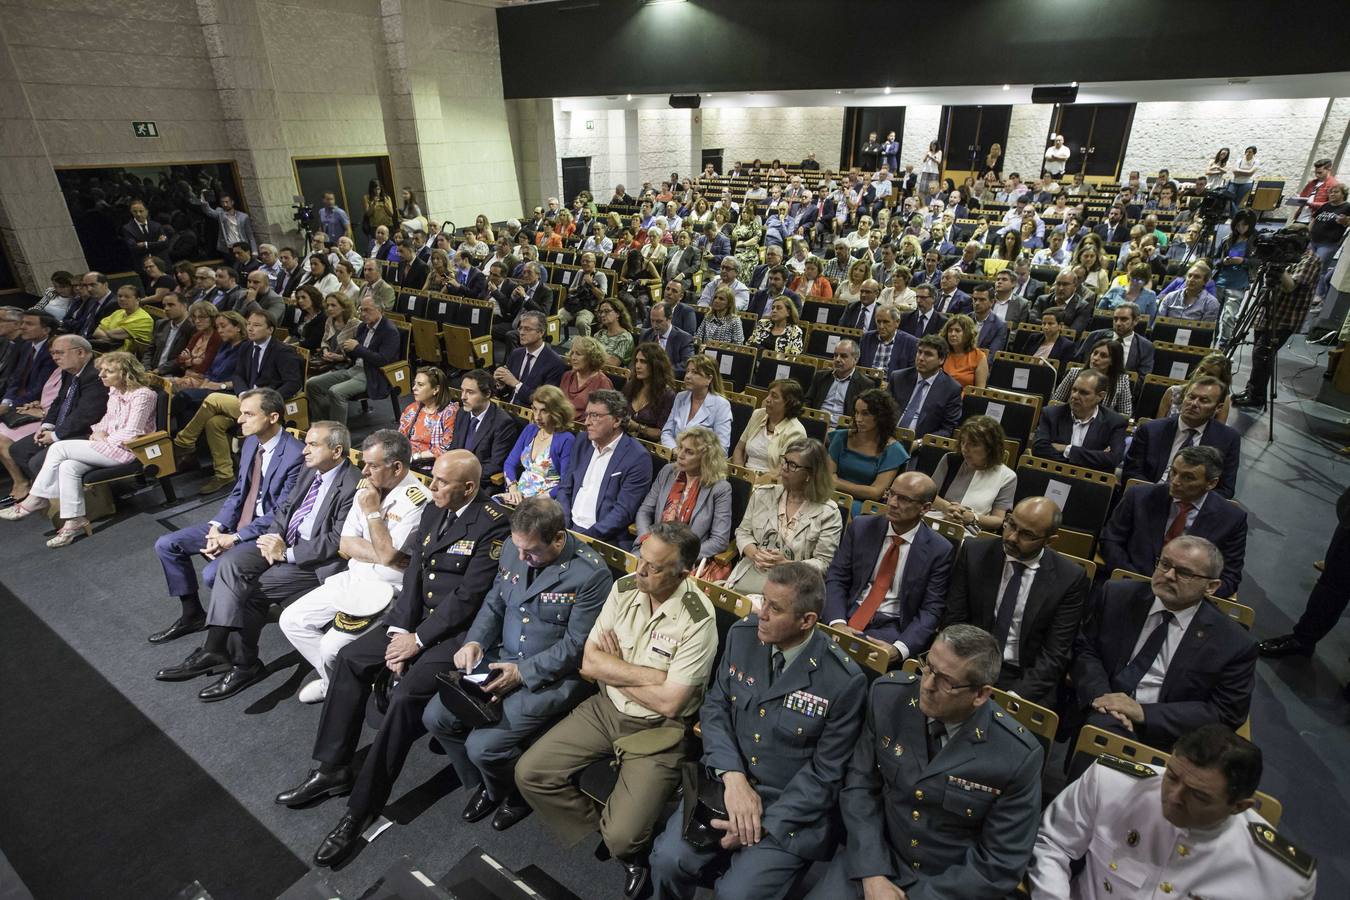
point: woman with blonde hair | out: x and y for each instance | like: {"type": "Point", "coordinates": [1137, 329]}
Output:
{"type": "Point", "coordinates": [975, 488]}
{"type": "Point", "coordinates": [721, 324]}
{"type": "Point", "coordinates": [440, 273]}
{"type": "Point", "coordinates": [130, 413]}
{"type": "Point", "coordinates": [692, 490]}
{"type": "Point", "coordinates": [965, 362]}
{"type": "Point", "coordinates": [543, 452]}
{"type": "Point", "coordinates": [700, 403]}
{"type": "Point", "coordinates": [587, 358]}
{"type": "Point", "coordinates": [851, 289]}
{"type": "Point", "coordinates": [794, 520]}
{"type": "Point", "coordinates": [339, 325]}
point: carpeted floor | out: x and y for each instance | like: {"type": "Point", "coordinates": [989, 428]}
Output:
{"type": "Point", "coordinates": [101, 596]}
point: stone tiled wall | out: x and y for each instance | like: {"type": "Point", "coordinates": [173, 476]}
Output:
{"type": "Point", "coordinates": [1027, 130]}
{"type": "Point", "coordinates": [586, 133]}
{"type": "Point", "coordinates": [789, 134]}
{"type": "Point", "coordinates": [921, 126]}
{"type": "Point", "coordinates": [663, 143]}
{"type": "Point", "coordinates": [254, 81]}
{"type": "Point", "coordinates": [1332, 143]}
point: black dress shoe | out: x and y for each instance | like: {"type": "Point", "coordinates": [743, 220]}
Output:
{"type": "Point", "coordinates": [316, 786]}
{"type": "Point", "coordinates": [1284, 645]}
{"type": "Point", "coordinates": [341, 841]}
{"type": "Point", "coordinates": [198, 662]}
{"type": "Point", "coordinates": [234, 681]}
{"type": "Point", "coordinates": [479, 806]}
{"type": "Point", "coordinates": [179, 628]}
{"type": "Point", "coordinates": [634, 877]}
{"type": "Point", "coordinates": [509, 814]}
{"type": "Point", "coordinates": [7, 501]}
{"type": "Point", "coordinates": [1249, 401]}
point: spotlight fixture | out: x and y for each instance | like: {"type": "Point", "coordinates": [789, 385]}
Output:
{"type": "Point", "coordinates": [1007, 87]}
{"type": "Point", "coordinates": [630, 96]}
{"type": "Point", "coordinates": [886, 90]}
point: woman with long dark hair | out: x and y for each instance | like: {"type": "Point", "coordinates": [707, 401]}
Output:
{"type": "Point", "coordinates": [1107, 357]}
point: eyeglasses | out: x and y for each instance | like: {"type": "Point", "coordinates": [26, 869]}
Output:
{"type": "Point", "coordinates": [1014, 529]}
{"type": "Point", "coordinates": [790, 466]}
{"type": "Point", "coordinates": [888, 496]}
{"type": "Point", "coordinates": [596, 416]}
{"type": "Point", "coordinates": [944, 682]}
{"type": "Point", "coordinates": [1165, 566]}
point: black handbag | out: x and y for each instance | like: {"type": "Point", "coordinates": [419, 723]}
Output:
{"type": "Point", "coordinates": [472, 705]}
{"type": "Point", "coordinates": [709, 804]}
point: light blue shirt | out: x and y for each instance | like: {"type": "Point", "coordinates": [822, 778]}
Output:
{"type": "Point", "coordinates": [714, 413]}
{"type": "Point", "coordinates": [311, 518]}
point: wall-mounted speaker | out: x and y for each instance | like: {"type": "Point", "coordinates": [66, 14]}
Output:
{"type": "Point", "coordinates": [1055, 93]}
{"type": "Point", "coordinates": [685, 101]}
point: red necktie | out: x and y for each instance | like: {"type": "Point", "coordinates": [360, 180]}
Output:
{"type": "Point", "coordinates": [880, 585]}
{"type": "Point", "coordinates": [1178, 526]}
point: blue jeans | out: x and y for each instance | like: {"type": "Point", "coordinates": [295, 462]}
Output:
{"type": "Point", "coordinates": [1324, 253]}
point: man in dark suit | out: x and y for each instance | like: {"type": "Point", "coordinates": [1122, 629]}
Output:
{"type": "Point", "coordinates": [610, 473]}
{"type": "Point", "coordinates": [1078, 307]}
{"type": "Point", "coordinates": [514, 299]}
{"type": "Point", "coordinates": [780, 774]}
{"type": "Point", "coordinates": [1154, 660]}
{"type": "Point", "coordinates": [298, 550]}
{"type": "Point", "coordinates": [33, 361]}
{"type": "Point", "coordinates": [171, 335]}
{"type": "Point", "coordinates": [928, 398]}
{"type": "Point", "coordinates": [1026, 595]}
{"type": "Point", "coordinates": [861, 313]}
{"type": "Point", "coordinates": [453, 566]}
{"type": "Point", "coordinates": [1006, 304]}
{"type": "Point", "coordinates": [678, 343]}
{"type": "Point", "coordinates": [886, 347]}
{"type": "Point", "coordinates": [98, 303]}
{"type": "Point", "coordinates": [1116, 228]}
{"type": "Point", "coordinates": [374, 346]}
{"type": "Point", "coordinates": [291, 274]}
{"type": "Point", "coordinates": [469, 280]}
{"type": "Point", "coordinates": [80, 403]}
{"type": "Point", "coordinates": [230, 294]}
{"type": "Point", "coordinates": [531, 364]}
{"type": "Point", "coordinates": [1083, 432]}
{"type": "Point", "coordinates": [923, 319]}
{"type": "Point", "coordinates": [1148, 516]}
{"type": "Point", "coordinates": [482, 427]}
{"type": "Point", "coordinates": [1025, 287]}
{"type": "Point", "coordinates": [773, 256]}
{"type": "Point", "coordinates": [1157, 442]}
{"type": "Point", "coordinates": [775, 286]}
{"type": "Point", "coordinates": [949, 298]}
{"type": "Point", "coordinates": [143, 237]}
{"type": "Point", "coordinates": [991, 332]}
{"type": "Point", "coordinates": [835, 390]}
{"type": "Point", "coordinates": [889, 579]}
{"type": "Point", "coordinates": [1138, 349]}
{"type": "Point", "coordinates": [274, 460]}
{"type": "Point", "coordinates": [683, 261]}
{"type": "Point", "coordinates": [679, 312]}
{"type": "Point", "coordinates": [262, 363]}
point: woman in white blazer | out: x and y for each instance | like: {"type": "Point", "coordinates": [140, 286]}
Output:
{"type": "Point", "coordinates": [975, 488]}
{"type": "Point", "coordinates": [795, 520]}
{"type": "Point", "coordinates": [700, 403]}
{"type": "Point", "coordinates": [693, 490]}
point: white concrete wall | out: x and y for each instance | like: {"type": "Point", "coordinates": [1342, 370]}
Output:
{"type": "Point", "coordinates": [921, 127]}
{"type": "Point", "coordinates": [1335, 132]}
{"type": "Point", "coordinates": [788, 133]}
{"type": "Point", "coordinates": [663, 143]}
{"type": "Point", "coordinates": [1027, 130]}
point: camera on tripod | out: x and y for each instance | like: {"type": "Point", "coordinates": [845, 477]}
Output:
{"type": "Point", "coordinates": [1214, 205]}
{"type": "Point", "coordinates": [1278, 248]}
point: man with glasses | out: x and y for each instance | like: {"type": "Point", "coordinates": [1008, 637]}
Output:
{"type": "Point", "coordinates": [861, 313]}
{"type": "Point", "coordinates": [1156, 661]}
{"type": "Point", "coordinates": [609, 475]}
{"type": "Point", "coordinates": [1026, 595]}
{"type": "Point", "coordinates": [527, 639]}
{"type": "Point", "coordinates": [530, 365]}
{"type": "Point", "coordinates": [942, 794]}
{"type": "Point", "coordinates": [888, 581]}
{"type": "Point", "coordinates": [651, 649]}
{"type": "Point", "coordinates": [728, 278]}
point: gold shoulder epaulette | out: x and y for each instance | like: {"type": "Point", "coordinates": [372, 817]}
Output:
{"type": "Point", "coordinates": [1133, 769]}
{"type": "Point", "coordinates": [627, 583]}
{"type": "Point", "coordinates": [416, 496]}
{"type": "Point", "coordinates": [1270, 841]}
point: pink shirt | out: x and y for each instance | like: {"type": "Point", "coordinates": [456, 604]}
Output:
{"type": "Point", "coordinates": [128, 416]}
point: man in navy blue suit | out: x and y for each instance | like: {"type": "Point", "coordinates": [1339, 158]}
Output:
{"type": "Point", "coordinates": [469, 279]}
{"type": "Point", "coordinates": [483, 428]}
{"type": "Point", "coordinates": [861, 313]}
{"type": "Point", "coordinates": [888, 580]}
{"type": "Point", "coordinates": [1154, 660]}
{"type": "Point", "coordinates": [991, 333]}
{"type": "Point", "coordinates": [949, 298]}
{"type": "Point", "coordinates": [1148, 516]}
{"type": "Point", "coordinates": [678, 343]}
{"type": "Point", "coordinates": [775, 286]}
{"type": "Point", "coordinates": [886, 347]}
{"type": "Point", "coordinates": [1138, 349]}
{"type": "Point", "coordinates": [928, 398]}
{"type": "Point", "coordinates": [1083, 432]}
{"type": "Point", "coordinates": [1157, 442]}
{"type": "Point", "coordinates": [374, 346]}
{"type": "Point", "coordinates": [272, 462]}
{"type": "Point", "coordinates": [610, 473]}
{"type": "Point", "coordinates": [924, 319]}
{"type": "Point", "coordinates": [531, 364]}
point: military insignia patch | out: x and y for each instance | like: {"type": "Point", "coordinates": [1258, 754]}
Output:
{"type": "Point", "coordinates": [1267, 839]}
{"type": "Point", "coordinates": [352, 624]}
{"type": "Point", "coordinates": [496, 551]}
{"type": "Point", "coordinates": [1133, 769]}
{"type": "Point", "coordinates": [416, 495]}
{"type": "Point", "coordinates": [694, 606]}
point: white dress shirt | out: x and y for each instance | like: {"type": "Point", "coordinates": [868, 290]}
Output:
{"type": "Point", "coordinates": [1177, 442]}
{"type": "Point", "coordinates": [1014, 643]}
{"type": "Point", "coordinates": [585, 503]}
{"type": "Point", "coordinates": [1080, 432]}
{"type": "Point", "coordinates": [1150, 686]}
{"type": "Point", "coordinates": [891, 604]}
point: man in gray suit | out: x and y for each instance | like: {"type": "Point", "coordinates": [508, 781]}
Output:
{"type": "Point", "coordinates": [261, 296]}
{"type": "Point", "coordinates": [776, 755]}
{"type": "Point", "coordinates": [293, 557]}
{"type": "Point", "coordinates": [528, 635]}
{"type": "Point", "coordinates": [942, 796]}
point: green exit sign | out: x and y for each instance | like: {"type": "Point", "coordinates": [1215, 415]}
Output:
{"type": "Point", "coordinates": [145, 129]}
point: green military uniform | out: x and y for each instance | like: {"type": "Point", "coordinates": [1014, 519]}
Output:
{"type": "Point", "coordinates": [679, 638]}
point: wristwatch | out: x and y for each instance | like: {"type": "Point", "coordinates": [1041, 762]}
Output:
{"type": "Point", "coordinates": [372, 516]}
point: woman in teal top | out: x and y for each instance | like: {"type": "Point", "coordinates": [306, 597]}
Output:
{"type": "Point", "coordinates": [865, 457]}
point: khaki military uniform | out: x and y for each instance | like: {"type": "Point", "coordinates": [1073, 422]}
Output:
{"type": "Point", "coordinates": [678, 638]}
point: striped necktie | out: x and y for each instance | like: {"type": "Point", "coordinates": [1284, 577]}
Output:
{"type": "Point", "coordinates": [306, 506]}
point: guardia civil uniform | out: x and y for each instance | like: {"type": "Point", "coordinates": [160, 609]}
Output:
{"type": "Point", "coordinates": [352, 600]}
{"type": "Point", "coordinates": [960, 823]}
{"type": "Point", "coordinates": [1113, 817]}
{"type": "Point", "coordinates": [539, 621]}
{"type": "Point", "coordinates": [792, 736]}
{"type": "Point", "coordinates": [679, 638]}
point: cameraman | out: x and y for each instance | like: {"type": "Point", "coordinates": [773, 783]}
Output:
{"type": "Point", "coordinates": [1291, 293]}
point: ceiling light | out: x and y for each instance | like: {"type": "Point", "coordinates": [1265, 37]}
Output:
{"type": "Point", "coordinates": [1073, 84]}
{"type": "Point", "coordinates": [1007, 87]}
{"type": "Point", "coordinates": [886, 90]}
{"type": "Point", "coordinates": [630, 96]}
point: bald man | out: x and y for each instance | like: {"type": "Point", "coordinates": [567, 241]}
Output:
{"type": "Point", "coordinates": [1026, 595]}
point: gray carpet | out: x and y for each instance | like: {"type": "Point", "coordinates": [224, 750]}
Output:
{"type": "Point", "coordinates": [106, 593]}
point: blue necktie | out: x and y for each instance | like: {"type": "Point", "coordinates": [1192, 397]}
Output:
{"type": "Point", "coordinates": [293, 529]}
{"type": "Point", "coordinates": [915, 404]}
{"type": "Point", "coordinates": [69, 400]}
{"type": "Point", "coordinates": [1128, 678]}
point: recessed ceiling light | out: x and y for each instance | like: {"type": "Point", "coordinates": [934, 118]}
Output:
{"type": "Point", "coordinates": [838, 92]}
{"type": "Point", "coordinates": [1074, 84]}
{"type": "Point", "coordinates": [1007, 87]}
{"type": "Point", "coordinates": [886, 90]}
{"type": "Point", "coordinates": [630, 96]}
